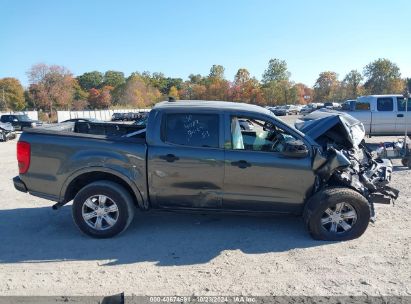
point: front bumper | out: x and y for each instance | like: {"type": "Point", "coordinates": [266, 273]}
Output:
{"type": "Point", "coordinates": [19, 184]}
{"type": "Point", "coordinates": [377, 179]}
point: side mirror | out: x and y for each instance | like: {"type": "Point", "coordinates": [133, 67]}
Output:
{"type": "Point", "coordinates": [295, 149]}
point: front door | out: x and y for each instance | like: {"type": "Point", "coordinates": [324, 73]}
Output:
{"type": "Point", "coordinates": [187, 169]}
{"type": "Point", "coordinates": [384, 118]}
{"type": "Point", "coordinates": [403, 116]}
{"type": "Point", "coordinates": [257, 176]}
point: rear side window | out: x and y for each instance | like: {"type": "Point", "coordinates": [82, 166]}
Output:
{"type": "Point", "coordinates": [385, 104]}
{"type": "Point", "coordinates": [401, 104]}
{"type": "Point", "coordinates": [362, 106]}
{"type": "Point", "coordinates": [194, 130]}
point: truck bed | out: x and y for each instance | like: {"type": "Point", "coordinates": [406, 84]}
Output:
{"type": "Point", "coordinates": [104, 130]}
{"type": "Point", "coordinates": [63, 151]}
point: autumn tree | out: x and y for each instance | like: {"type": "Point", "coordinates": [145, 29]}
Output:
{"type": "Point", "coordinates": [12, 92]}
{"type": "Point", "coordinates": [173, 92]}
{"type": "Point", "coordinates": [217, 88]}
{"type": "Point", "coordinates": [246, 88]}
{"type": "Point", "coordinates": [383, 77]}
{"type": "Point", "coordinates": [100, 99]}
{"type": "Point", "coordinates": [90, 80]}
{"type": "Point", "coordinates": [138, 93]}
{"type": "Point", "coordinates": [51, 86]}
{"type": "Point", "coordinates": [304, 94]}
{"type": "Point", "coordinates": [192, 91]}
{"type": "Point", "coordinates": [326, 86]}
{"type": "Point", "coordinates": [277, 71]}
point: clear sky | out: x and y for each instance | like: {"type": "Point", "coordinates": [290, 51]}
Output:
{"type": "Point", "coordinates": [180, 37]}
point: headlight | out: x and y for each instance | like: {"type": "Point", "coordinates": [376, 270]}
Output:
{"type": "Point", "coordinates": [33, 124]}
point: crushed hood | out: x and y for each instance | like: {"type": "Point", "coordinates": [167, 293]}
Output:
{"type": "Point", "coordinates": [327, 125]}
{"type": "Point", "coordinates": [6, 127]}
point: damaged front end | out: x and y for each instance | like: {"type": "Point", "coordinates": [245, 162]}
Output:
{"type": "Point", "coordinates": [342, 159]}
{"type": "Point", "coordinates": [7, 132]}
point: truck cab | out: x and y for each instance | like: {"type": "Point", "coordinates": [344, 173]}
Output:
{"type": "Point", "coordinates": [382, 114]}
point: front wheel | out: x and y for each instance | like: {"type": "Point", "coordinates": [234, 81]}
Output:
{"type": "Point", "coordinates": [103, 209]}
{"type": "Point", "coordinates": [337, 214]}
{"type": "Point", "coordinates": [3, 136]}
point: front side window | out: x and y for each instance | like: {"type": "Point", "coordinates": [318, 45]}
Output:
{"type": "Point", "coordinates": [259, 135]}
{"type": "Point", "coordinates": [194, 130]}
{"type": "Point", "coordinates": [401, 104]}
{"type": "Point", "coordinates": [385, 104]}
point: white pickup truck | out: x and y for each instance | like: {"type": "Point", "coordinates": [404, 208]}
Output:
{"type": "Point", "coordinates": [382, 114]}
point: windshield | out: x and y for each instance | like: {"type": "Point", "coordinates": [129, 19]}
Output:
{"type": "Point", "coordinates": [23, 118]}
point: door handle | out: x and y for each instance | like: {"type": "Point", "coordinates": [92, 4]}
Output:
{"type": "Point", "coordinates": [400, 115]}
{"type": "Point", "coordinates": [241, 164]}
{"type": "Point", "coordinates": [169, 158]}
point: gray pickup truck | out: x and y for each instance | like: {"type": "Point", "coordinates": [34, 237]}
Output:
{"type": "Point", "coordinates": [382, 115]}
{"type": "Point", "coordinates": [194, 155]}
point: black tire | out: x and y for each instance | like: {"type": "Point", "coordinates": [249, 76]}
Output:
{"type": "Point", "coordinates": [115, 193]}
{"type": "Point", "coordinates": [3, 137]}
{"type": "Point", "coordinates": [405, 162]}
{"type": "Point", "coordinates": [327, 199]}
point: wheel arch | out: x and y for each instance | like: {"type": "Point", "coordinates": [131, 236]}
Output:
{"type": "Point", "coordinates": [84, 177]}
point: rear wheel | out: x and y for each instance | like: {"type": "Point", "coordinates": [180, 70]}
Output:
{"type": "Point", "coordinates": [103, 209]}
{"type": "Point", "coordinates": [337, 214]}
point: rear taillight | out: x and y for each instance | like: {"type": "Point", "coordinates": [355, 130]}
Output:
{"type": "Point", "coordinates": [23, 156]}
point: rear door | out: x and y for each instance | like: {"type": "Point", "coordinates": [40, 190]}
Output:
{"type": "Point", "coordinates": [403, 116]}
{"type": "Point", "coordinates": [384, 117]}
{"type": "Point", "coordinates": [186, 168]}
{"type": "Point", "coordinates": [257, 176]}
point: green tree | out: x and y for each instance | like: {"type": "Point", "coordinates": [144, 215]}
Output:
{"type": "Point", "coordinates": [408, 85]}
{"type": "Point", "coordinates": [216, 72]}
{"type": "Point", "coordinates": [277, 71]}
{"type": "Point", "coordinates": [80, 96]}
{"type": "Point", "coordinates": [90, 80]}
{"type": "Point", "coordinates": [280, 92]}
{"type": "Point", "coordinates": [113, 78]}
{"type": "Point", "coordinates": [196, 79]}
{"type": "Point", "coordinates": [169, 83]}
{"type": "Point", "coordinates": [13, 93]}
{"type": "Point", "coordinates": [352, 82]}
{"type": "Point", "coordinates": [326, 86]}
{"type": "Point", "coordinates": [242, 77]}
{"type": "Point", "coordinates": [382, 77]}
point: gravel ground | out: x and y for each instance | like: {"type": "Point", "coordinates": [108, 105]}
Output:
{"type": "Point", "coordinates": [42, 253]}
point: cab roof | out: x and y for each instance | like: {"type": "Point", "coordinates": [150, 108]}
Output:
{"type": "Point", "coordinates": [211, 105]}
